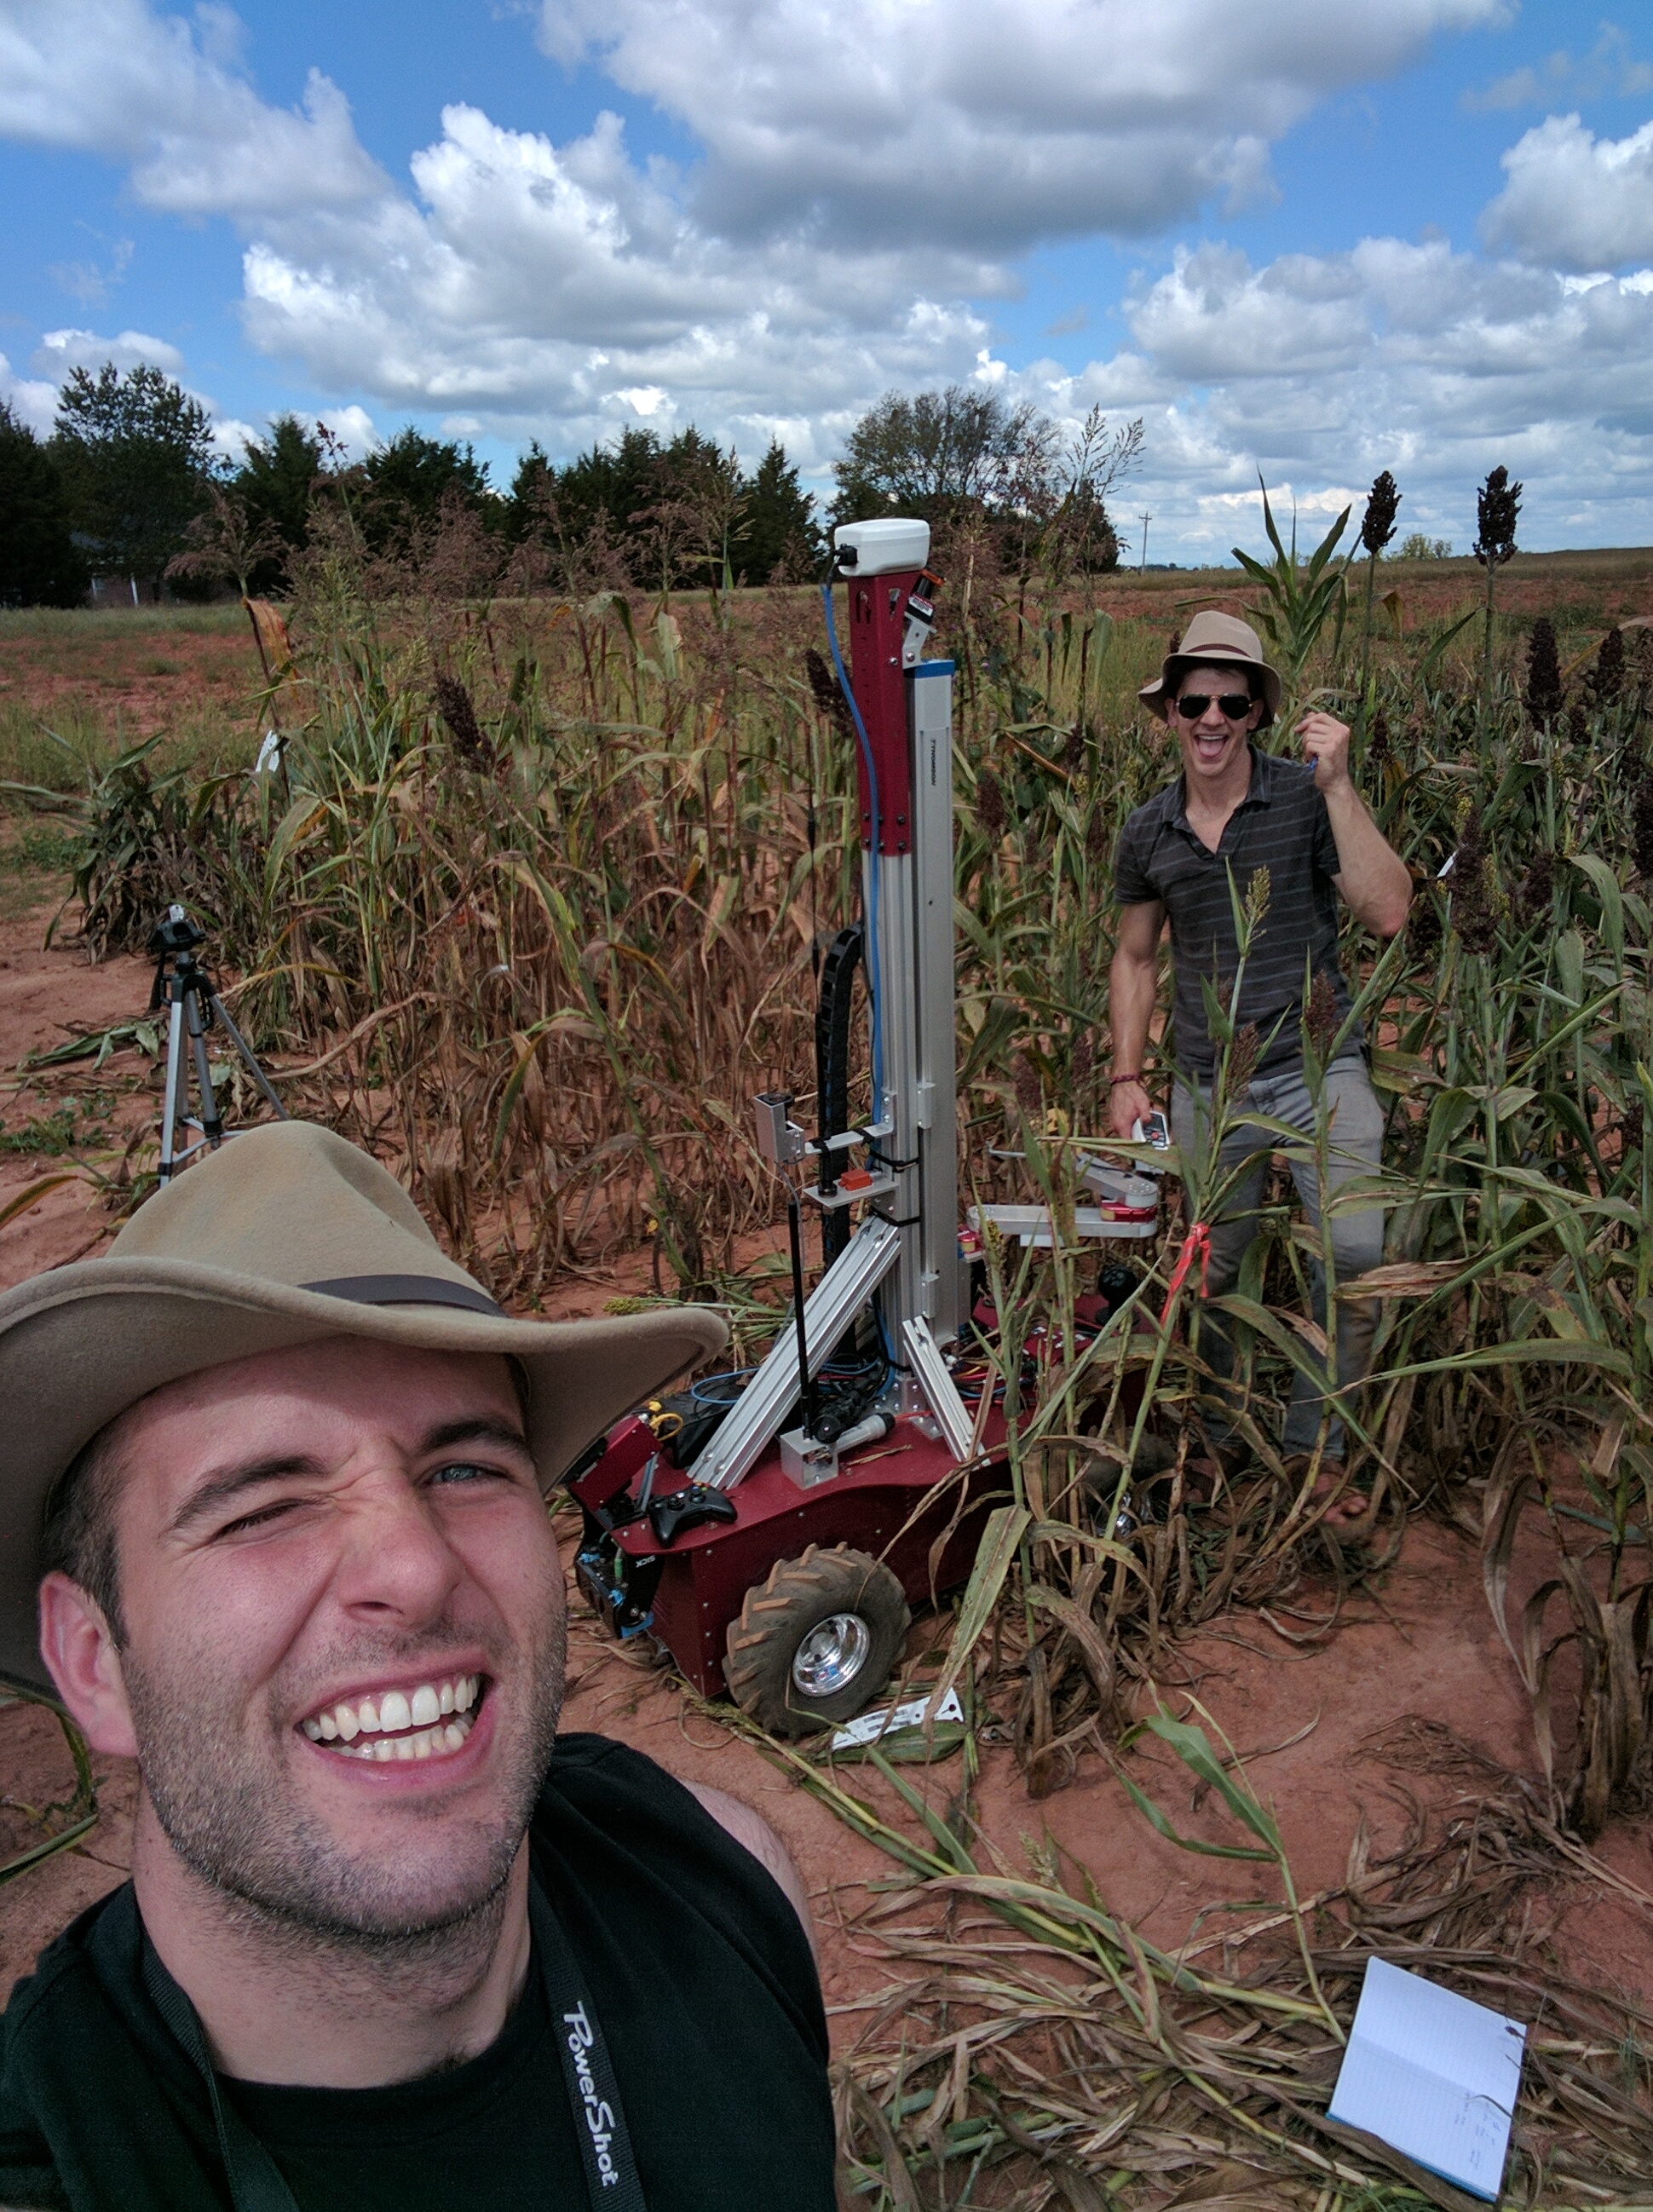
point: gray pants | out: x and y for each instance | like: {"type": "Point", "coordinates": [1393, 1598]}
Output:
{"type": "Point", "coordinates": [1356, 1141]}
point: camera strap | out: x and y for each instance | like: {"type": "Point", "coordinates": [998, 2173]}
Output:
{"type": "Point", "coordinates": [612, 2185]}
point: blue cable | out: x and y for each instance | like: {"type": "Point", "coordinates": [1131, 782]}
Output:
{"type": "Point", "coordinates": [874, 981]}
{"type": "Point", "coordinates": [698, 1391]}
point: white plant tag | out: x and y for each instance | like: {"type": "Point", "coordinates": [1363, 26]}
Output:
{"type": "Point", "coordinates": [884, 1720]}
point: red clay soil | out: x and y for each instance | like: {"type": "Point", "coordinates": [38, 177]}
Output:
{"type": "Point", "coordinates": [144, 669]}
{"type": "Point", "coordinates": [1421, 1645]}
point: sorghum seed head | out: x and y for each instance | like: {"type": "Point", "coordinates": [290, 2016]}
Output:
{"type": "Point", "coordinates": [1498, 504]}
{"type": "Point", "coordinates": [1606, 679]}
{"type": "Point", "coordinates": [1544, 694]}
{"type": "Point", "coordinates": [453, 705]}
{"type": "Point", "coordinates": [1382, 502]}
{"type": "Point", "coordinates": [991, 809]}
{"type": "Point", "coordinates": [1321, 1018]}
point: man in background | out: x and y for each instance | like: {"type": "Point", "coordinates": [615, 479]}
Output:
{"type": "Point", "coordinates": [1236, 810]}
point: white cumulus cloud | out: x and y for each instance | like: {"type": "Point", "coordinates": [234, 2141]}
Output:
{"type": "Point", "coordinates": [113, 77]}
{"type": "Point", "coordinates": [60, 351]}
{"type": "Point", "coordinates": [1575, 201]}
{"type": "Point", "coordinates": [1434, 363]}
{"type": "Point", "coordinates": [862, 194]}
{"type": "Point", "coordinates": [31, 401]}
{"type": "Point", "coordinates": [986, 123]}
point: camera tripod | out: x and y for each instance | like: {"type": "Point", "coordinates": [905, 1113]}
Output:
{"type": "Point", "coordinates": [182, 984]}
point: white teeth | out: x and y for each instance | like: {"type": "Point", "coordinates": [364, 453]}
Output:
{"type": "Point", "coordinates": [424, 1743]}
{"type": "Point", "coordinates": [393, 1712]}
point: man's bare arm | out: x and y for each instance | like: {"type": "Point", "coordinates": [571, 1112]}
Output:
{"type": "Point", "coordinates": [1372, 879]}
{"type": "Point", "coordinates": [752, 1830]}
{"type": "Point", "coordinates": [1133, 988]}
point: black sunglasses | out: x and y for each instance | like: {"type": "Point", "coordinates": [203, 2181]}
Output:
{"type": "Point", "coordinates": [1236, 705]}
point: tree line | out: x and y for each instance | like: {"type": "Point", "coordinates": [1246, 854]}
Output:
{"type": "Point", "coordinates": [128, 484]}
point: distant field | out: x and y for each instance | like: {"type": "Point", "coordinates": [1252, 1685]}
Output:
{"type": "Point", "coordinates": [99, 678]}
{"type": "Point", "coordinates": [96, 678]}
{"type": "Point", "coordinates": [1578, 591]}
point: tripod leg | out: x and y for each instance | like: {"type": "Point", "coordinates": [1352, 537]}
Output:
{"type": "Point", "coordinates": [212, 1126]}
{"type": "Point", "coordinates": [170, 1112]}
{"type": "Point", "coordinates": [248, 1060]}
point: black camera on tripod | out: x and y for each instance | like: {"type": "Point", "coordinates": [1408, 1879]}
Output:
{"type": "Point", "coordinates": [174, 933]}
{"type": "Point", "coordinates": [183, 987]}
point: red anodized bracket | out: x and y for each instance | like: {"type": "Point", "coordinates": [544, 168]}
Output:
{"type": "Point", "coordinates": [878, 621]}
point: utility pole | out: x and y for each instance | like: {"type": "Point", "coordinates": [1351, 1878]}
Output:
{"type": "Point", "coordinates": [1142, 564]}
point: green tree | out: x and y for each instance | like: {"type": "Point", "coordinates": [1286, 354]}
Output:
{"type": "Point", "coordinates": [134, 453]}
{"type": "Point", "coordinates": [779, 533]}
{"type": "Point", "coordinates": [525, 503]}
{"type": "Point", "coordinates": [688, 532]}
{"type": "Point", "coordinates": [964, 458]}
{"type": "Point", "coordinates": [274, 485]}
{"type": "Point", "coordinates": [934, 453]}
{"type": "Point", "coordinates": [664, 514]}
{"type": "Point", "coordinates": [617, 481]}
{"type": "Point", "coordinates": [40, 563]}
{"type": "Point", "coordinates": [409, 479]}
{"type": "Point", "coordinates": [1054, 512]}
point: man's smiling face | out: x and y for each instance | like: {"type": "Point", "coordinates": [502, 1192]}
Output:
{"type": "Point", "coordinates": [1213, 742]}
{"type": "Point", "coordinates": [344, 1631]}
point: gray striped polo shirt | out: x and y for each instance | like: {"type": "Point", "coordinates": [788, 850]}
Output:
{"type": "Point", "coordinates": [1282, 825]}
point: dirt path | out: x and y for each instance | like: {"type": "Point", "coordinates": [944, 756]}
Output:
{"type": "Point", "coordinates": [1331, 1729]}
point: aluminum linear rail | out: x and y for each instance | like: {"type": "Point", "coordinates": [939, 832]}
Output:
{"type": "Point", "coordinates": [952, 1415]}
{"type": "Point", "coordinates": [741, 1440]}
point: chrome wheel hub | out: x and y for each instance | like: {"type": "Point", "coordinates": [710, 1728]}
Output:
{"type": "Point", "coordinates": [831, 1655]}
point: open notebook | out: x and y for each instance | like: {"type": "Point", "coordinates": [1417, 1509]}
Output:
{"type": "Point", "coordinates": [1432, 2075]}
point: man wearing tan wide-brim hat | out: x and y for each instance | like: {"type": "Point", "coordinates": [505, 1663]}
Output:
{"type": "Point", "coordinates": [1236, 816]}
{"type": "Point", "coordinates": [276, 1469]}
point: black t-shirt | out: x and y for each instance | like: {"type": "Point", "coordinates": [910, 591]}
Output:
{"type": "Point", "coordinates": [699, 1972]}
{"type": "Point", "coordinates": [497, 2131]}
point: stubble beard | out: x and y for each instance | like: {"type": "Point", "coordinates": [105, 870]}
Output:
{"type": "Point", "coordinates": [277, 1870]}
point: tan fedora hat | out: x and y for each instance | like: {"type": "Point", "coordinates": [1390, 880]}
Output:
{"type": "Point", "coordinates": [286, 1235]}
{"type": "Point", "coordinates": [1212, 636]}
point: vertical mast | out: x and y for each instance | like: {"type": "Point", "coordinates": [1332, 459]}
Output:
{"type": "Point", "coordinates": [905, 1251]}
{"type": "Point", "coordinates": [906, 710]}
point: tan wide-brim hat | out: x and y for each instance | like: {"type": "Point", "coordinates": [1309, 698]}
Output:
{"type": "Point", "coordinates": [285, 1236]}
{"type": "Point", "coordinates": [1212, 636]}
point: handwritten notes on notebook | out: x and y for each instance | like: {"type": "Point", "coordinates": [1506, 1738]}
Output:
{"type": "Point", "coordinates": [1433, 2075]}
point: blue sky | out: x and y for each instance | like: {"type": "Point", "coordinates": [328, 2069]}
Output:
{"type": "Point", "coordinates": [1311, 237]}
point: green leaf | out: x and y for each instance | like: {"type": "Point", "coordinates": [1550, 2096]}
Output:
{"type": "Point", "coordinates": [1193, 1747]}
{"type": "Point", "coordinates": [1427, 664]}
{"type": "Point", "coordinates": [1550, 1350]}
{"type": "Point", "coordinates": [1606, 889]}
{"type": "Point", "coordinates": [1007, 1525]}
